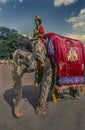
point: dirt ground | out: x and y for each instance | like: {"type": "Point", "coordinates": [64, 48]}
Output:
{"type": "Point", "coordinates": [68, 114]}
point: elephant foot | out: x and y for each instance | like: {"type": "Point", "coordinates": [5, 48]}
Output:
{"type": "Point", "coordinates": [58, 95]}
{"type": "Point", "coordinates": [77, 97]}
{"type": "Point", "coordinates": [17, 111]}
{"type": "Point", "coordinates": [58, 99]}
{"type": "Point", "coordinates": [41, 110]}
{"type": "Point", "coordinates": [75, 93]}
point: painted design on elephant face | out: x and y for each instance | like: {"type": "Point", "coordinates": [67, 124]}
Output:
{"type": "Point", "coordinates": [72, 55]}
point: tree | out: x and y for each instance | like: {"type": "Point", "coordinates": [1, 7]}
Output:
{"type": "Point", "coordinates": [8, 42]}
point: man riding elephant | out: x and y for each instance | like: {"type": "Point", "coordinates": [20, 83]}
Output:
{"type": "Point", "coordinates": [38, 32]}
{"type": "Point", "coordinates": [58, 55]}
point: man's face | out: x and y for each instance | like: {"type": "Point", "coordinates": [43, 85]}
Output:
{"type": "Point", "coordinates": [37, 22]}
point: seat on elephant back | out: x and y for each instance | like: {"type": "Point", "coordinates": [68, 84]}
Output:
{"type": "Point", "coordinates": [67, 57]}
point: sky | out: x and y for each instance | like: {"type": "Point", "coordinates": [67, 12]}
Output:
{"type": "Point", "coordinates": [64, 17]}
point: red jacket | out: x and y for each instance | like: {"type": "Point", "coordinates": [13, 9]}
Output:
{"type": "Point", "coordinates": [39, 33]}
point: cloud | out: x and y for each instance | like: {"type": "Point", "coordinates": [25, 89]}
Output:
{"type": "Point", "coordinates": [3, 1]}
{"type": "Point", "coordinates": [0, 9]}
{"type": "Point", "coordinates": [20, 1]}
{"type": "Point", "coordinates": [63, 2]}
{"type": "Point", "coordinates": [78, 22]}
{"type": "Point", "coordinates": [82, 11]}
{"type": "Point", "coordinates": [77, 36]}
{"type": "Point", "coordinates": [78, 26]}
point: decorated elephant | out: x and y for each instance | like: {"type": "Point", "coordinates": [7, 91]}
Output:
{"type": "Point", "coordinates": [58, 64]}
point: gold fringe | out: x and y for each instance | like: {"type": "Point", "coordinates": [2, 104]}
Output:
{"type": "Point", "coordinates": [69, 86]}
{"type": "Point", "coordinates": [54, 96]}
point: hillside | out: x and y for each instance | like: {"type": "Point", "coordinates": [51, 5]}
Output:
{"type": "Point", "coordinates": [8, 42]}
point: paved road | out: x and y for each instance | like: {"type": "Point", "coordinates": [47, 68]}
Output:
{"type": "Point", "coordinates": [68, 114]}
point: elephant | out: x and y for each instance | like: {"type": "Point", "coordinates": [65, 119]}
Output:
{"type": "Point", "coordinates": [32, 56]}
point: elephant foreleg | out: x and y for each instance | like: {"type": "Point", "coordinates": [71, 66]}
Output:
{"type": "Point", "coordinates": [23, 62]}
{"type": "Point", "coordinates": [17, 111]}
{"type": "Point", "coordinates": [45, 87]}
{"type": "Point", "coordinates": [17, 75]}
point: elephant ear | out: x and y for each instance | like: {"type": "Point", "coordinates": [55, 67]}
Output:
{"type": "Point", "coordinates": [25, 44]}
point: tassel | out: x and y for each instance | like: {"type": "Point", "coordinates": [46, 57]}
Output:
{"type": "Point", "coordinates": [54, 96]}
{"type": "Point", "coordinates": [81, 89]}
{"type": "Point", "coordinates": [35, 86]}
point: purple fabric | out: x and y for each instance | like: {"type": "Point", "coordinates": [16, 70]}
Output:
{"type": "Point", "coordinates": [69, 80]}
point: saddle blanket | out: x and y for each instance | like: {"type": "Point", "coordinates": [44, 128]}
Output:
{"type": "Point", "coordinates": [67, 57]}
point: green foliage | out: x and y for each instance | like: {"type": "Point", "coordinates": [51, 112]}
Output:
{"type": "Point", "coordinates": [8, 42]}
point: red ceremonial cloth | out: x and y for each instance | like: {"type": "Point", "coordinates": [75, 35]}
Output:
{"type": "Point", "coordinates": [69, 55]}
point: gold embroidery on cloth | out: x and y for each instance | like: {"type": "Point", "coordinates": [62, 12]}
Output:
{"type": "Point", "coordinates": [72, 55]}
